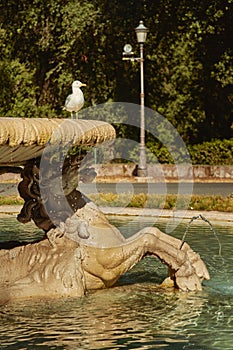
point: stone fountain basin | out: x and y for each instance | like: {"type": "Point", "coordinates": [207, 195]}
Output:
{"type": "Point", "coordinates": [22, 139]}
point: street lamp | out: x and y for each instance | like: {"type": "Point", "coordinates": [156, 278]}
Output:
{"type": "Point", "coordinates": [141, 33]}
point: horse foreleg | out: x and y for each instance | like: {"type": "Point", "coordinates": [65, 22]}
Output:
{"type": "Point", "coordinates": [103, 266]}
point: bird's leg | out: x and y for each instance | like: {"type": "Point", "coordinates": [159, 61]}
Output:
{"type": "Point", "coordinates": [74, 115]}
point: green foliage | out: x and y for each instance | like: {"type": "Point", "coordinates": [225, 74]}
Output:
{"type": "Point", "coordinates": [179, 90]}
{"type": "Point", "coordinates": [156, 153]}
{"type": "Point", "coordinates": [217, 152]}
{"type": "Point", "coordinates": [191, 58]}
{"type": "Point", "coordinates": [11, 200]}
{"type": "Point", "coordinates": [171, 201]}
{"type": "Point", "coordinates": [142, 200]}
{"type": "Point", "coordinates": [17, 98]}
{"type": "Point", "coordinates": [49, 37]}
{"type": "Point", "coordinates": [223, 70]}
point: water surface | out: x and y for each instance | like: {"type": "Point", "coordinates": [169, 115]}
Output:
{"type": "Point", "coordinates": [136, 313]}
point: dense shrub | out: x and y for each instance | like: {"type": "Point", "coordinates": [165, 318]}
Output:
{"type": "Point", "coordinates": [170, 201]}
{"type": "Point", "coordinates": [216, 152]}
{"type": "Point", "coordinates": [142, 200]}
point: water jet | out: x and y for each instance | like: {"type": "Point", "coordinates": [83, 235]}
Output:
{"type": "Point", "coordinates": [203, 218]}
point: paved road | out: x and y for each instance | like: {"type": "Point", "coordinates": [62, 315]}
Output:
{"type": "Point", "coordinates": [224, 189]}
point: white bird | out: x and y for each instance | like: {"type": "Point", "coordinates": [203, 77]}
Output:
{"type": "Point", "coordinates": [75, 101]}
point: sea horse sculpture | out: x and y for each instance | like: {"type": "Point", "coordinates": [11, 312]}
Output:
{"type": "Point", "coordinates": [81, 250]}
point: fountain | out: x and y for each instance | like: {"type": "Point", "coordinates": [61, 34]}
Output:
{"type": "Point", "coordinates": [81, 250]}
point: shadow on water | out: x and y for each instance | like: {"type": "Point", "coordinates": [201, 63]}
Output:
{"type": "Point", "coordinates": [136, 313]}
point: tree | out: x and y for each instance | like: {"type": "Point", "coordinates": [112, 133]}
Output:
{"type": "Point", "coordinates": [47, 44]}
{"type": "Point", "coordinates": [183, 69]}
{"type": "Point", "coordinates": [46, 36]}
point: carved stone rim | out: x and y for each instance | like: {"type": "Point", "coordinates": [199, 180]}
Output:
{"type": "Point", "coordinates": [22, 139]}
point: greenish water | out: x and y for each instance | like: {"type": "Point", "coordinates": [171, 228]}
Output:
{"type": "Point", "coordinates": [136, 313]}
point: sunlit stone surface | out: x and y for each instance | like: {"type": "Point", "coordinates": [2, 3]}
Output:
{"type": "Point", "coordinates": [82, 250]}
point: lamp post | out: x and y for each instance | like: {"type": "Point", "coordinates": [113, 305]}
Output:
{"type": "Point", "coordinates": [141, 33]}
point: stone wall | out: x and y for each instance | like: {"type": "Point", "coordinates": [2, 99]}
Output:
{"type": "Point", "coordinates": [167, 171]}
{"type": "Point", "coordinates": [156, 171]}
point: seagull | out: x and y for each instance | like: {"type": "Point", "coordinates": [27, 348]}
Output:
{"type": "Point", "coordinates": [75, 101]}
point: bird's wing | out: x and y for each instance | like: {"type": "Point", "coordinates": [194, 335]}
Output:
{"type": "Point", "coordinates": [67, 101]}
{"type": "Point", "coordinates": [74, 102]}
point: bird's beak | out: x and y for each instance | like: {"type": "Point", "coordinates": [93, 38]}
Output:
{"type": "Point", "coordinates": [84, 84]}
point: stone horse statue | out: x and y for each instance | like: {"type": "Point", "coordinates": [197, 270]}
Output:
{"type": "Point", "coordinates": [81, 250]}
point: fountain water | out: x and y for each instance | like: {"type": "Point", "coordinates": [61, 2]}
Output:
{"type": "Point", "coordinates": [196, 217]}
{"type": "Point", "coordinates": [136, 313]}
